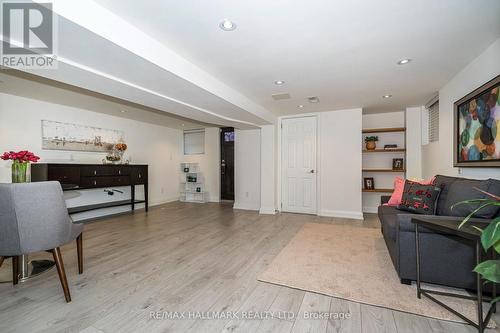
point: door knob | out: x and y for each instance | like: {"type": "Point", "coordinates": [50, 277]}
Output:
{"type": "Point", "coordinates": [312, 171]}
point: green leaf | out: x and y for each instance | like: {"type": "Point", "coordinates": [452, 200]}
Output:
{"type": "Point", "coordinates": [491, 235]}
{"type": "Point", "coordinates": [496, 299]}
{"type": "Point", "coordinates": [490, 270]}
{"type": "Point", "coordinates": [468, 217]}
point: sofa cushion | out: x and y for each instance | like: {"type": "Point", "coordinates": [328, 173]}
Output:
{"type": "Point", "coordinates": [466, 189]}
{"type": "Point", "coordinates": [444, 183]}
{"type": "Point", "coordinates": [419, 199]}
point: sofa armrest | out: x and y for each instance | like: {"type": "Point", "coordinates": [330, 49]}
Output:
{"type": "Point", "coordinates": [405, 225]}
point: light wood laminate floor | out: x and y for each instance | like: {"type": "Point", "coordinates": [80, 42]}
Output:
{"type": "Point", "coordinates": [192, 259]}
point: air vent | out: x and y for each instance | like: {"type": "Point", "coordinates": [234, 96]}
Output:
{"type": "Point", "coordinates": [313, 99]}
{"type": "Point", "coordinates": [278, 97]}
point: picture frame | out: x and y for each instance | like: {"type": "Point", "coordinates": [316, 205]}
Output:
{"type": "Point", "coordinates": [476, 119]}
{"type": "Point", "coordinates": [369, 183]}
{"type": "Point", "coordinates": [398, 164]}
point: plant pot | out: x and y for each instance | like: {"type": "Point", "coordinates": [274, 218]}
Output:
{"type": "Point", "coordinates": [371, 145]}
{"type": "Point", "coordinates": [20, 172]}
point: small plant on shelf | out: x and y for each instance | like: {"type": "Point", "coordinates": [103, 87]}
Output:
{"type": "Point", "coordinates": [371, 142]}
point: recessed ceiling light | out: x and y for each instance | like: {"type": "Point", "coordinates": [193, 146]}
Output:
{"type": "Point", "coordinates": [227, 25]}
{"type": "Point", "coordinates": [313, 99]}
{"type": "Point", "coordinates": [123, 111]}
{"type": "Point", "coordinates": [279, 82]}
{"type": "Point", "coordinates": [387, 96]}
{"type": "Point", "coordinates": [183, 125]}
{"type": "Point", "coordinates": [300, 106]}
{"type": "Point", "coordinates": [403, 61]}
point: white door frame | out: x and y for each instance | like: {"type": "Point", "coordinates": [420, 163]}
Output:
{"type": "Point", "coordinates": [279, 171]}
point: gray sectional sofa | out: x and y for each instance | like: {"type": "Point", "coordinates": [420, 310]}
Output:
{"type": "Point", "coordinates": [446, 260]}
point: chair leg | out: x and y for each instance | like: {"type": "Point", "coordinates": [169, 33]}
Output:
{"type": "Point", "coordinates": [62, 274]}
{"type": "Point", "coordinates": [1, 260]}
{"type": "Point", "coordinates": [79, 249]}
{"type": "Point", "coordinates": [15, 270]}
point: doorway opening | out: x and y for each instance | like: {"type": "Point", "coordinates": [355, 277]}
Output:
{"type": "Point", "coordinates": [227, 138]}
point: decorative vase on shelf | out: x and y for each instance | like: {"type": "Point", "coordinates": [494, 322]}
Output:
{"type": "Point", "coordinates": [371, 145]}
{"type": "Point", "coordinates": [20, 164]}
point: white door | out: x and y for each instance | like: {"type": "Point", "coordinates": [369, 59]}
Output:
{"type": "Point", "coordinates": [298, 189]}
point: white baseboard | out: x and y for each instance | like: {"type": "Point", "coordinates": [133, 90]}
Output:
{"type": "Point", "coordinates": [245, 206]}
{"type": "Point", "coordinates": [342, 214]}
{"type": "Point", "coordinates": [267, 210]}
{"type": "Point", "coordinates": [370, 210]}
{"type": "Point", "coordinates": [156, 203]}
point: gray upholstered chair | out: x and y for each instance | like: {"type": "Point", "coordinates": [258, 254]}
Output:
{"type": "Point", "coordinates": [34, 218]}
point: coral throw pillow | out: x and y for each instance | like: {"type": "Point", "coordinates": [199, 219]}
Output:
{"type": "Point", "coordinates": [399, 184]}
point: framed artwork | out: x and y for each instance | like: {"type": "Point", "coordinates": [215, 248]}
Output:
{"type": "Point", "coordinates": [397, 164]}
{"type": "Point", "coordinates": [476, 119]}
{"type": "Point", "coordinates": [66, 136]}
{"type": "Point", "coordinates": [369, 183]}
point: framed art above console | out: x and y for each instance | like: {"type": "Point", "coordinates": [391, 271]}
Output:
{"type": "Point", "coordinates": [476, 123]}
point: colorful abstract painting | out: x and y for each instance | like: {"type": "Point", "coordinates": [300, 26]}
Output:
{"type": "Point", "coordinates": [478, 132]}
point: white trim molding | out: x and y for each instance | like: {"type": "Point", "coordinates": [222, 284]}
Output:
{"type": "Point", "coordinates": [341, 214]}
{"type": "Point", "coordinates": [267, 210]}
{"type": "Point", "coordinates": [246, 206]}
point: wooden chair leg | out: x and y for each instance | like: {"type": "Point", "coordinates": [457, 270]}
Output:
{"type": "Point", "coordinates": [62, 274]}
{"type": "Point", "coordinates": [79, 249]}
{"type": "Point", "coordinates": [15, 270]}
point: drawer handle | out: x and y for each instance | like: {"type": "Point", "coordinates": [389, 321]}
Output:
{"type": "Point", "coordinates": [139, 175]}
{"type": "Point", "coordinates": [95, 182]}
{"type": "Point", "coordinates": [119, 172]}
{"type": "Point", "coordinates": [95, 172]}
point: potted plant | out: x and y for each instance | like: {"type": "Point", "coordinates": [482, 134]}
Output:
{"type": "Point", "coordinates": [20, 162]}
{"type": "Point", "coordinates": [371, 142]}
{"type": "Point", "coordinates": [490, 238]}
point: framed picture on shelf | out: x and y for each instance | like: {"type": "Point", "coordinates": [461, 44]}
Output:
{"type": "Point", "coordinates": [397, 164]}
{"type": "Point", "coordinates": [476, 120]}
{"type": "Point", "coordinates": [369, 183]}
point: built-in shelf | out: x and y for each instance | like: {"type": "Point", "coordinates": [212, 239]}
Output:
{"type": "Point", "coordinates": [397, 150]}
{"type": "Point", "coordinates": [380, 190]}
{"type": "Point", "coordinates": [384, 130]}
{"type": "Point", "coordinates": [382, 170]}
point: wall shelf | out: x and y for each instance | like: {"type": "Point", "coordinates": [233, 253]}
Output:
{"type": "Point", "coordinates": [380, 190]}
{"type": "Point", "coordinates": [384, 130]}
{"type": "Point", "coordinates": [397, 150]}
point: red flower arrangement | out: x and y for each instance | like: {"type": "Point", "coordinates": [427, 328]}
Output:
{"type": "Point", "coordinates": [20, 157]}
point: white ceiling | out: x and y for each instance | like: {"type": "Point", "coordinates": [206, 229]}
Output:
{"type": "Point", "coordinates": [25, 85]}
{"type": "Point", "coordinates": [345, 52]}
{"type": "Point", "coordinates": [171, 56]}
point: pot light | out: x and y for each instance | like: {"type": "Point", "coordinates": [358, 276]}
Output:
{"type": "Point", "coordinates": [300, 106]}
{"type": "Point", "coordinates": [227, 25]}
{"type": "Point", "coordinates": [279, 82]}
{"type": "Point", "coordinates": [122, 111]}
{"type": "Point", "coordinates": [403, 61]}
{"type": "Point", "coordinates": [313, 99]}
{"type": "Point", "coordinates": [387, 96]}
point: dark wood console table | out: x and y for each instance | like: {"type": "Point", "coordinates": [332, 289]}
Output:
{"type": "Point", "coordinates": [89, 176]}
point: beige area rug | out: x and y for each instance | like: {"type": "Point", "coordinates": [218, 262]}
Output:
{"type": "Point", "coordinates": [353, 263]}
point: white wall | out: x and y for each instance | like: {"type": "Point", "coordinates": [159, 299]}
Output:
{"type": "Point", "coordinates": [209, 163]}
{"type": "Point", "coordinates": [340, 163]}
{"type": "Point", "coordinates": [247, 169]}
{"type": "Point", "coordinates": [414, 142]}
{"type": "Point", "coordinates": [437, 157]}
{"type": "Point", "coordinates": [268, 183]}
{"type": "Point", "coordinates": [382, 160]}
{"type": "Point", "coordinates": [157, 146]}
